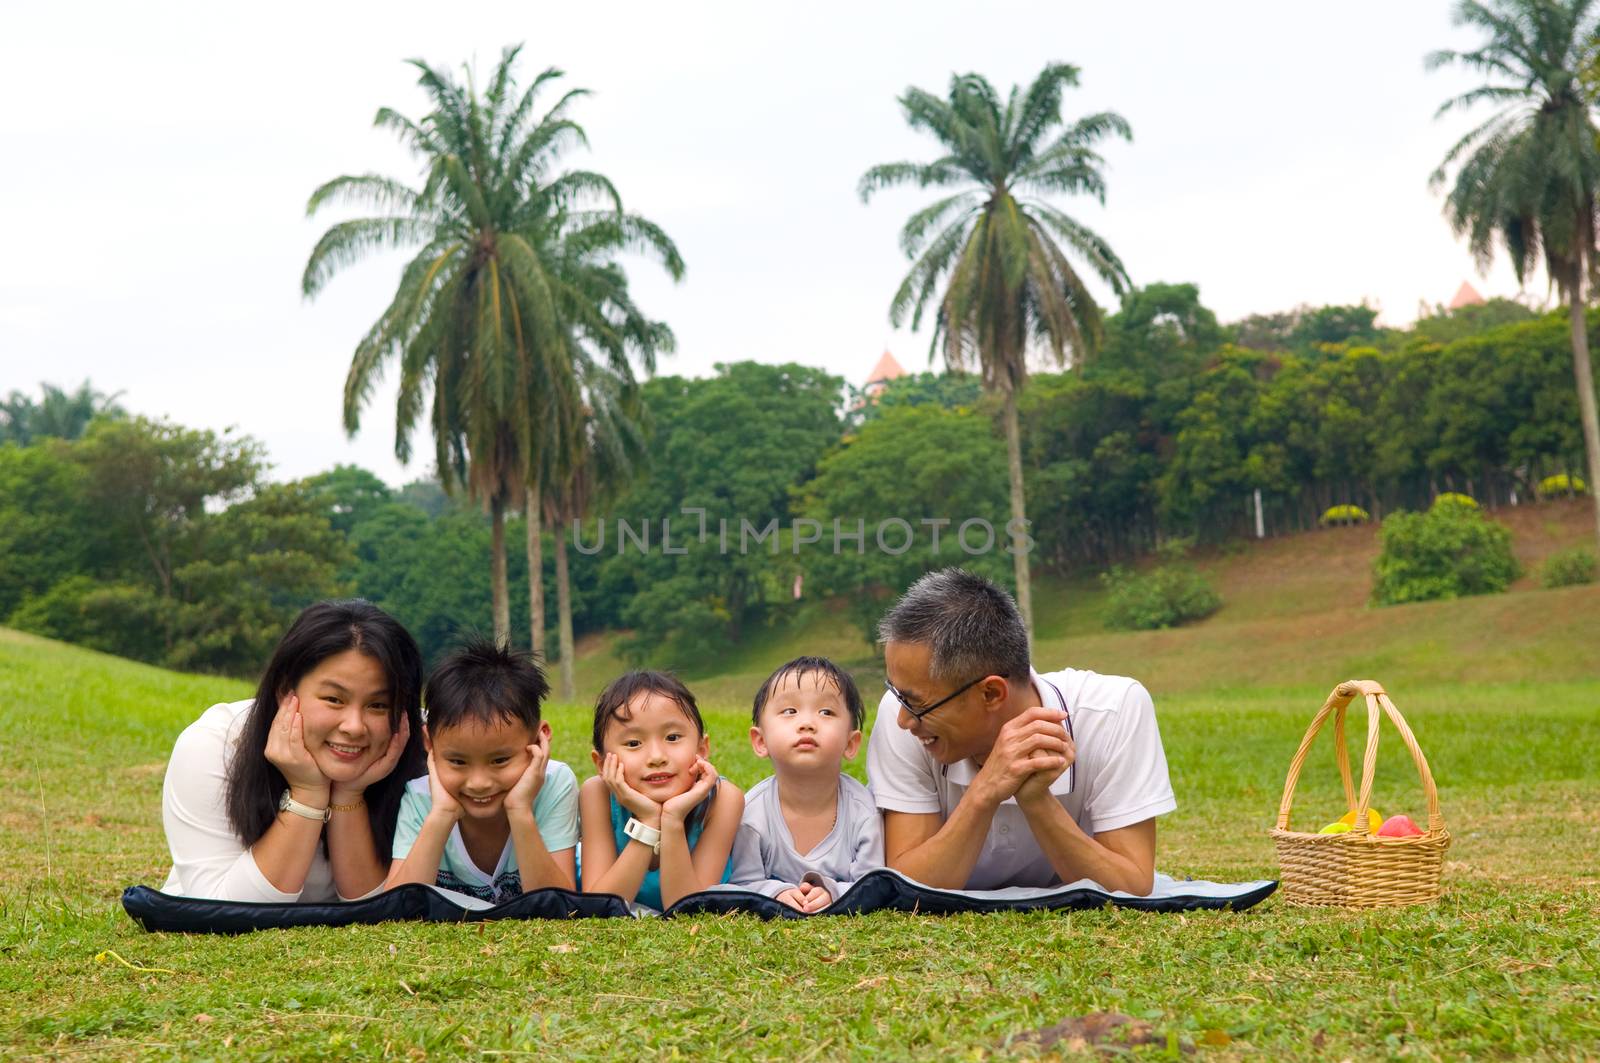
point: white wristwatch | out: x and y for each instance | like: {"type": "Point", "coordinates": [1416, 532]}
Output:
{"type": "Point", "coordinates": [641, 832]}
{"type": "Point", "coordinates": [289, 804]}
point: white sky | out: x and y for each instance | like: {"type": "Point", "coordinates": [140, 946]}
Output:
{"type": "Point", "coordinates": [159, 158]}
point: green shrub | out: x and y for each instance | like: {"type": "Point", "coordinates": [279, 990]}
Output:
{"type": "Point", "coordinates": [1450, 551]}
{"type": "Point", "coordinates": [119, 618]}
{"type": "Point", "coordinates": [1569, 568]}
{"type": "Point", "coordinates": [1346, 514]}
{"type": "Point", "coordinates": [1166, 596]}
{"type": "Point", "coordinates": [1561, 484]}
{"type": "Point", "coordinates": [1455, 498]}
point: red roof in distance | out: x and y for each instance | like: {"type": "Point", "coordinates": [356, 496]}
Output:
{"type": "Point", "coordinates": [887, 369]}
{"type": "Point", "coordinates": [1466, 295]}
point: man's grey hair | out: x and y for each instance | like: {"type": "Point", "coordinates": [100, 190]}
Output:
{"type": "Point", "coordinates": [970, 625]}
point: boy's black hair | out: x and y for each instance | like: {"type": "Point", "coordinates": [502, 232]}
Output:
{"type": "Point", "coordinates": [485, 683]}
{"type": "Point", "coordinates": [614, 699]}
{"type": "Point", "coordinates": [804, 666]}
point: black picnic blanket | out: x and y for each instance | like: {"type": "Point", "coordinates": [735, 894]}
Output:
{"type": "Point", "coordinates": [881, 890]}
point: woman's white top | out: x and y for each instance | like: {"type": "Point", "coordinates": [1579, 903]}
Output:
{"type": "Point", "coordinates": [208, 858]}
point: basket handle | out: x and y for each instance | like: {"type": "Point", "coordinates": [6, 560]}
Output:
{"type": "Point", "coordinates": [1377, 699]}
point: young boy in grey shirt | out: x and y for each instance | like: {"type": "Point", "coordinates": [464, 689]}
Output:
{"type": "Point", "coordinates": [809, 830]}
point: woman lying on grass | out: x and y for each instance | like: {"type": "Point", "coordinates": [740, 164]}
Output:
{"type": "Point", "coordinates": [292, 795]}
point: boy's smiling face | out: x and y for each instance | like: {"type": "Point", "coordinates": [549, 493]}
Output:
{"type": "Point", "coordinates": [805, 725]}
{"type": "Point", "coordinates": [478, 764]}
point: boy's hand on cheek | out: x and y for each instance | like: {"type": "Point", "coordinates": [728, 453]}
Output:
{"type": "Point", "coordinates": [678, 808]}
{"type": "Point", "coordinates": [443, 803]}
{"type": "Point", "coordinates": [644, 810]}
{"type": "Point", "coordinates": [520, 798]}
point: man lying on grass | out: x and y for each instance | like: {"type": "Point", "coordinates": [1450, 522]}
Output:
{"type": "Point", "coordinates": [990, 774]}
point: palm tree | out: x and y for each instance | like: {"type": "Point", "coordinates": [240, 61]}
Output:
{"type": "Point", "coordinates": [598, 456]}
{"type": "Point", "coordinates": [594, 426]}
{"type": "Point", "coordinates": [476, 318]}
{"type": "Point", "coordinates": [1007, 282]}
{"type": "Point", "coordinates": [59, 413]}
{"type": "Point", "coordinates": [1528, 176]}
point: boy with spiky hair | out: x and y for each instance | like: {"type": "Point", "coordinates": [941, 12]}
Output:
{"type": "Point", "coordinates": [809, 831]}
{"type": "Point", "coordinates": [495, 816]}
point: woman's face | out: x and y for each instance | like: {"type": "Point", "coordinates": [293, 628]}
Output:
{"type": "Point", "coordinates": [345, 702]}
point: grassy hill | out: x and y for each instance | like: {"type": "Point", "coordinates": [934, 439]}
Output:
{"type": "Point", "coordinates": [1294, 615]}
{"type": "Point", "coordinates": [1503, 693]}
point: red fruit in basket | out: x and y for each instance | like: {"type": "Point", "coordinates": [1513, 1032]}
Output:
{"type": "Point", "coordinates": [1399, 827]}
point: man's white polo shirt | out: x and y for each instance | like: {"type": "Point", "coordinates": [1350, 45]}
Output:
{"type": "Point", "coordinates": [1121, 775]}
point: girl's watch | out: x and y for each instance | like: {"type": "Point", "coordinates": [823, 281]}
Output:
{"type": "Point", "coordinates": [644, 833]}
{"type": "Point", "coordinates": [289, 804]}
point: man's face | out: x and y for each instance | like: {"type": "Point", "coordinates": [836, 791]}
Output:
{"type": "Point", "coordinates": [962, 727]}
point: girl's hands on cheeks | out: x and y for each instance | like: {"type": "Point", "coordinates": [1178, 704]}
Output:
{"type": "Point", "coordinates": [521, 796]}
{"type": "Point", "coordinates": [286, 750]}
{"type": "Point", "coordinates": [678, 808]}
{"type": "Point", "coordinates": [644, 810]}
{"type": "Point", "coordinates": [378, 770]}
{"type": "Point", "coordinates": [443, 803]}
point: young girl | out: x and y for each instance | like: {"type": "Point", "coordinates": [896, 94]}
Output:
{"type": "Point", "coordinates": [658, 822]}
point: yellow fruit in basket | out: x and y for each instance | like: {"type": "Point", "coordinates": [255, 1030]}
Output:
{"type": "Point", "coordinates": [1336, 827]}
{"type": "Point", "coordinates": [1374, 820]}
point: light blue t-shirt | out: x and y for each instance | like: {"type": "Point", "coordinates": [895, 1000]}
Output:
{"type": "Point", "coordinates": [555, 812]}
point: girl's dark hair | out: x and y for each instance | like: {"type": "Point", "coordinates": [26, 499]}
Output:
{"type": "Point", "coordinates": [821, 666]}
{"type": "Point", "coordinates": [254, 784]}
{"type": "Point", "coordinates": [485, 683]}
{"type": "Point", "coordinates": [614, 699]}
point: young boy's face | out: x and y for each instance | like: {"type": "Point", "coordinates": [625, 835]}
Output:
{"type": "Point", "coordinates": [805, 725]}
{"type": "Point", "coordinates": [478, 764]}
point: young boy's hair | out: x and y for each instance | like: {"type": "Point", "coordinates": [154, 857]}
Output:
{"type": "Point", "coordinates": [614, 700]}
{"type": "Point", "coordinates": [484, 683]}
{"type": "Point", "coordinates": [804, 666]}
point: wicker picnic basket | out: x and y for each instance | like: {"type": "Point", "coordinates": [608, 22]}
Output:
{"type": "Point", "coordinates": [1358, 869]}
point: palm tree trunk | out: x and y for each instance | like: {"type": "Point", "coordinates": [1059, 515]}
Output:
{"type": "Point", "coordinates": [536, 569]}
{"type": "Point", "coordinates": [569, 686]}
{"type": "Point", "coordinates": [1586, 404]}
{"type": "Point", "coordinates": [497, 571]}
{"type": "Point", "coordinates": [1019, 555]}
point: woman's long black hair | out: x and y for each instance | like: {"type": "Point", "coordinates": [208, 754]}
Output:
{"type": "Point", "coordinates": [327, 628]}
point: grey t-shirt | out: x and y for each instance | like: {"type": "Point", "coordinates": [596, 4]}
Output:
{"type": "Point", "coordinates": [764, 857]}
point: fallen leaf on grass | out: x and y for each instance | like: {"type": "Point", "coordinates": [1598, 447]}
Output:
{"type": "Point", "coordinates": [1106, 1031]}
{"type": "Point", "coordinates": [565, 946]}
{"type": "Point", "coordinates": [1216, 1038]}
{"type": "Point", "coordinates": [202, 1018]}
{"type": "Point", "coordinates": [1319, 1039]}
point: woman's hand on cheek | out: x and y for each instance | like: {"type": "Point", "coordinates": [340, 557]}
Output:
{"type": "Point", "coordinates": [443, 803]}
{"type": "Point", "coordinates": [678, 808]}
{"type": "Point", "coordinates": [644, 810]}
{"type": "Point", "coordinates": [286, 750]}
{"type": "Point", "coordinates": [378, 770]}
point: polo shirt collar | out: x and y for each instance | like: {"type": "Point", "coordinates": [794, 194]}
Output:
{"type": "Point", "coordinates": [963, 772]}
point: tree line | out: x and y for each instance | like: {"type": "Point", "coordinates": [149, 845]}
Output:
{"type": "Point", "coordinates": [168, 544]}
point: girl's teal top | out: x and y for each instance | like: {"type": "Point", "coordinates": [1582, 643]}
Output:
{"type": "Point", "coordinates": [650, 890]}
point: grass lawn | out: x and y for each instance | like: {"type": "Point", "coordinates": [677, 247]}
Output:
{"type": "Point", "coordinates": [1504, 966]}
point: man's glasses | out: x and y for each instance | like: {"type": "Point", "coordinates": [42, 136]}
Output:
{"type": "Point", "coordinates": [917, 714]}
